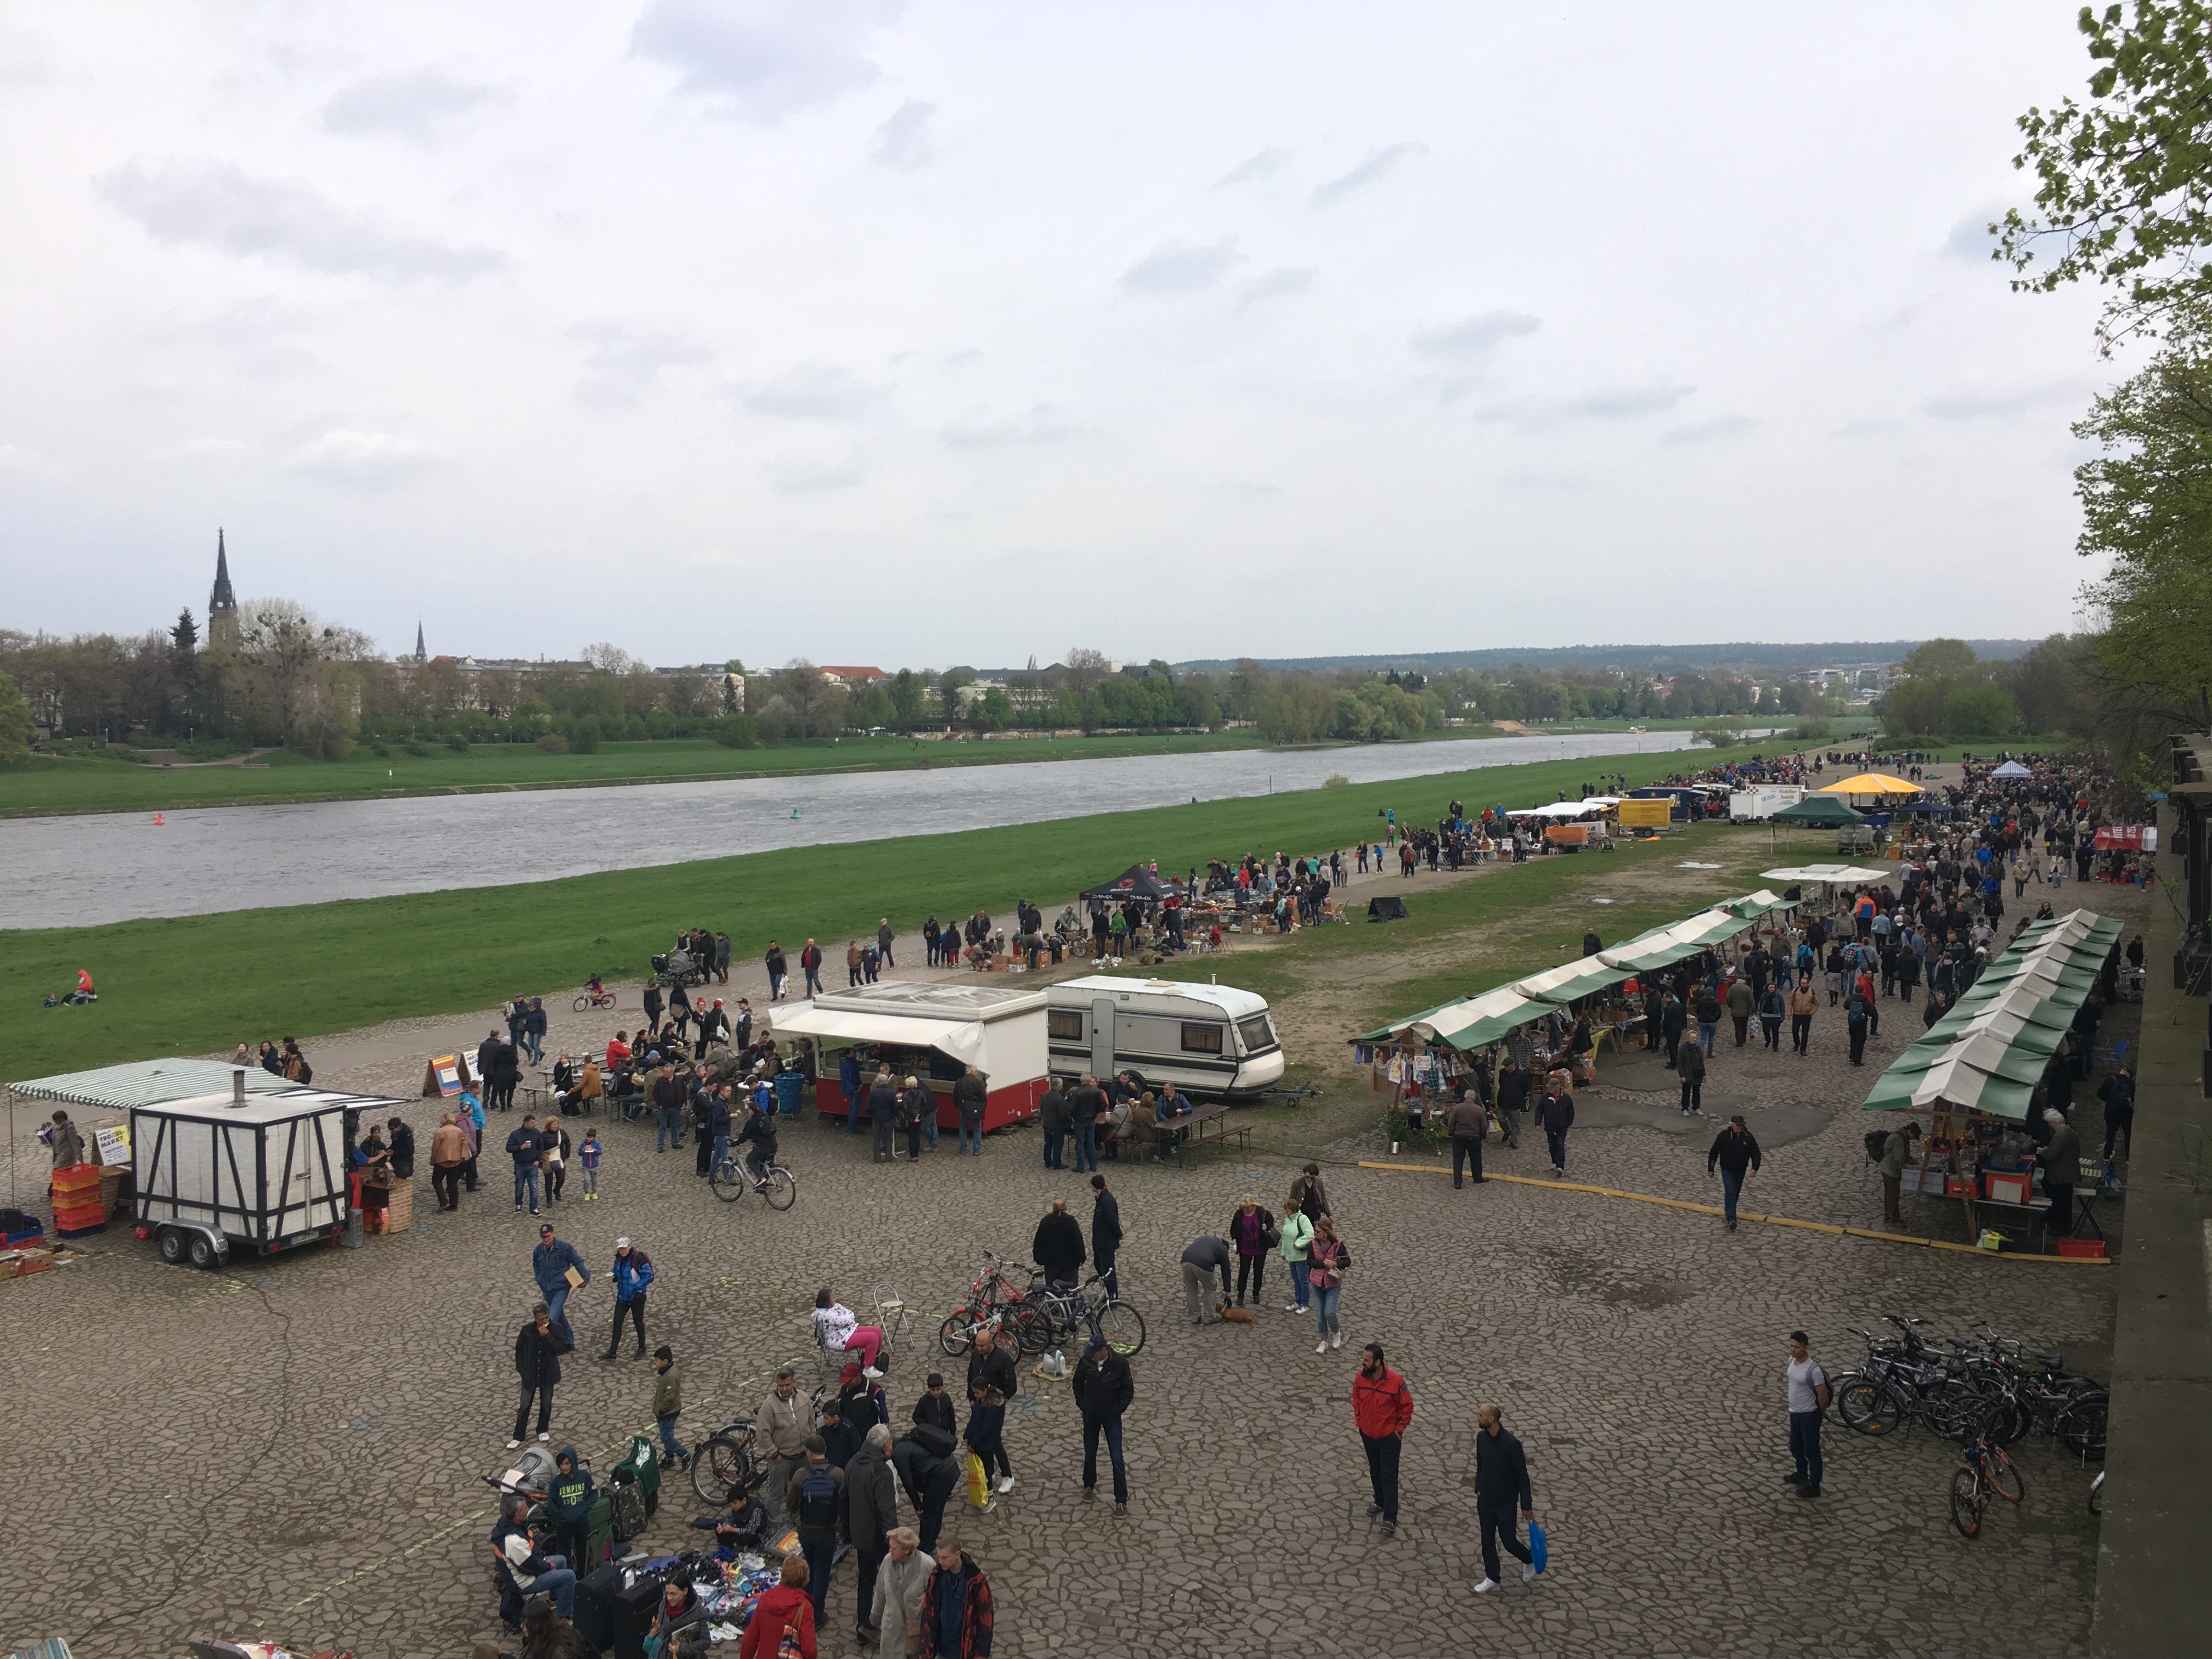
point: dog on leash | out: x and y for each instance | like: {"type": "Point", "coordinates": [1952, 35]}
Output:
{"type": "Point", "coordinates": [1233, 1315]}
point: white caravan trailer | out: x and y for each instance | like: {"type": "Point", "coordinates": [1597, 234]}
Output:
{"type": "Point", "coordinates": [1762, 801]}
{"type": "Point", "coordinates": [1211, 1041]}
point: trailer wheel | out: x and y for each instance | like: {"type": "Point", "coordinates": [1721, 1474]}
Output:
{"type": "Point", "coordinates": [171, 1244]}
{"type": "Point", "coordinates": [204, 1255]}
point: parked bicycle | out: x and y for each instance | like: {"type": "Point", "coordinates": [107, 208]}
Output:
{"type": "Point", "coordinates": [723, 1464]}
{"type": "Point", "coordinates": [994, 1292]}
{"type": "Point", "coordinates": [1902, 1379]}
{"type": "Point", "coordinates": [1989, 1469]}
{"type": "Point", "coordinates": [1050, 1315]}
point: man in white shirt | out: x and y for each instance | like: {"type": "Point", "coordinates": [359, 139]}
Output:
{"type": "Point", "coordinates": [1806, 1382]}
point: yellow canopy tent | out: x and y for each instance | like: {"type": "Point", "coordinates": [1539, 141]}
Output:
{"type": "Point", "coordinates": [1872, 785]}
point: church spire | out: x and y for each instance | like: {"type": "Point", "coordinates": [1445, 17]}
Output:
{"type": "Point", "coordinates": [222, 603]}
{"type": "Point", "coordinates": [421, 655]}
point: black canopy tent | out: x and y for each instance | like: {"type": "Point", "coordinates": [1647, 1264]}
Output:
{"type": "Point", "coordinates": [1138, 884]}
{"type": "Point", "coordinates": [1387, 907]}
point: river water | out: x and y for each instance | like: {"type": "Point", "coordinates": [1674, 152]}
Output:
{"type": "Point", "coordinates": [77, 872]}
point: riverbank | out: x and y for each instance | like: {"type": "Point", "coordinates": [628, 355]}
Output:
{"type": "Point", "coordinates": [192, 984]}
{"type": "Point", "coordinates": [46, 787]}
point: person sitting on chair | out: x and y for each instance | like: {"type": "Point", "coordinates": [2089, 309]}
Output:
{"type": "Point", "coordinates": [838, 1328]}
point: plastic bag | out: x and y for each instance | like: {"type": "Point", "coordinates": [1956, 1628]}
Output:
{"type": "Point", "coordinates": [979, 1483]}
{"type": "Point", "coordinates": [1540, 1555]}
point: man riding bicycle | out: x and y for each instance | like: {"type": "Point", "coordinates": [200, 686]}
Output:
{"type": "Point", "coordinates": [760, 1132]}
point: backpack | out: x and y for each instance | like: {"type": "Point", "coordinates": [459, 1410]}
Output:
{"type": "Point", "coordinates": [817, 1497]}
{"type": "Point", "coordinates": [1877, 1141]}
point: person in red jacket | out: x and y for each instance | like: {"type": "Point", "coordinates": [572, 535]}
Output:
{"type": "Point", "coordinates": [1382, 1406]}
{"type": "Point", "coordinates": [788, 1605]}
{"type": "Point", "coordinates": [957, 1614]}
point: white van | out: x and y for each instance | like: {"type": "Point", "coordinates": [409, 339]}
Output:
{"type": "Point", "coordinates": [1211, 1041]}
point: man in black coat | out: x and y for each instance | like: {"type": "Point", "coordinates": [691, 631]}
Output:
{"type": "Point", "coordinates": [883, 1113]}
{"type": "Point", "coordinates": [1106, 1234]}
{"type": "Point", "coordinates": [538, 1351]}
{"type": "Point", "coordinates": [1058, 1245]}
{"type": "Point", "coordinates": [1501, 1478]}
{"type": "Point", "coordinates": [929, 1471]}
{"type": "Point", "coordinates": [1104, 1390]}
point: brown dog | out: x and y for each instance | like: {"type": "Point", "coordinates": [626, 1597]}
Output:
{"type": "Point", "coordinates": [1233, 1315]}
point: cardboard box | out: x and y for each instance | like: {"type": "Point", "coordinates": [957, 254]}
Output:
{"type": "Point", "coordinates": [2006, 1187]}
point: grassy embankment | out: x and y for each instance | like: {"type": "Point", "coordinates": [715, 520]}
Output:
{"type": "Point", "coordinates": [193, 984]}
{"type": "Point", "coordinates": [89, 783]}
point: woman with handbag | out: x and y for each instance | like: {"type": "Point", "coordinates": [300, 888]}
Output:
{"type": "Point", "coordinates": [782, 1625]}
{"type": "Point", "coordinates": [1328, 1262]}
{"type": "Point", "coordinates": [1251, 1229]}
{"type": "Point", "coordinates": [1297, 1233]}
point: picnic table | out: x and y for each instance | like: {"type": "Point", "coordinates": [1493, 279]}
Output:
{"type": "Point", "coordinates": [1205, 1125]}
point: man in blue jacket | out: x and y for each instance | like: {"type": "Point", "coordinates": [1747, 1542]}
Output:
{"type": "Point", "coordinates": [632, 1273]}
{"type": "Point", "coordinates": [548, 1265]}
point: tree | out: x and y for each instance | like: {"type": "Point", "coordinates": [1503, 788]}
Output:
{"type": "Point", "coordinates": [906, 694]}
{"type": "Point", "coordinates": [15, 723]}
{"type": "Point", "coordinates": [1083, 669]}
{"type": "Point", "coordinates": [1980, 711]}
{"type": "Point", "coordinates": [297, 678]}
{"type": "Point", "coordinates": [813, 707]}
{"type": "Point", "coordinates": [948, 691]}
{"type": "Point", "coordinates": [1248, 683]}
{"type": "Point", "coordinates": [185, 635]}
{"type": "Point", "coordinates": [2122, 184]}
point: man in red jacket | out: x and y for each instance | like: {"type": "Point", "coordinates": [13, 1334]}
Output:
{"type": "Point", "coordinates": [1382, 1406]}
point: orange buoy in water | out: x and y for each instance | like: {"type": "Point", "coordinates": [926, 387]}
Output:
{"type": "Point", "coordinates": [157, 820]}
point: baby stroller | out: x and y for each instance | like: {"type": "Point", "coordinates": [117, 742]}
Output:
{"type": "Point", "coordinates": [677, 968]}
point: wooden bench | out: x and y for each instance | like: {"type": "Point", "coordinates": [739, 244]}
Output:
{"type": "Point", "coordinates": [1205, 1126]}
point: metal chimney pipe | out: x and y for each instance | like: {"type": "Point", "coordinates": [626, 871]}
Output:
{"type": "Point", "coordinates": [237, 1087]}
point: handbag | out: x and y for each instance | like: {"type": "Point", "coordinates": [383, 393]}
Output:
{"type": "Point", "coordinates": [1540, 1554]}
{"type": "Point", "coordinates": [979, 1482]}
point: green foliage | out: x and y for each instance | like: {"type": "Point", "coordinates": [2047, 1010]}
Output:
{"type": "Point", "coordinates": [1979, 711]}
{"type": "Point", "coordinates": [1814, 731]}
{"type": "Point", "coordinates": [458, 743]}
{"type": "Point", "coordinates": [1720, 736]}
{"type": "Point", "coordinates": [2121, 184]}
{"type": "Point", "coordinates": [553, 744]}
{"type": "Point", "coordinates": [15, 723]}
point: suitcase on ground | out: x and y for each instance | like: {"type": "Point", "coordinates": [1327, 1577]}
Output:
{"type": "Point", "coordinates": [599, 1535]}
{"type": "Point", "coordinates": [596, 1595]}
{"type": "Point", "coordinates": [635, 1608]}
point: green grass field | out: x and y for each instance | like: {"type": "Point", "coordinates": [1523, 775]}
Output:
{"type": "Point", "coordinates": [195, 984]}
{"type": "Point", "coordinates": [104, 784]}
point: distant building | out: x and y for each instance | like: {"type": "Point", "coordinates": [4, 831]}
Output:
{"type": "Point", "coordinates": [421, 655]}
{"type": "Point", "coordinates": [222, 603]}
{"type": "Point", "coordinates": [849, 676]}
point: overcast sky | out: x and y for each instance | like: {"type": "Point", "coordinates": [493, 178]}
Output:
{"type": "Point", "coordinates": [932, 333]}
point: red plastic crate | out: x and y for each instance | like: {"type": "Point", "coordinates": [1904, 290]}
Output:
{"type": "Point", "coordinates": [2093, 1249]}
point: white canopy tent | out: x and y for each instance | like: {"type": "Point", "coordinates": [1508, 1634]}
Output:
{"type": "Point", "coordinates": [1589, 806]}
{"type": "Point", "coordinates": [1835, 875]}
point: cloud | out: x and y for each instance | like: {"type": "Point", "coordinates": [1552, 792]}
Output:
{"type": "Point", "coordinates": [1475, 336]}
{"type": "Point", "coordinates": [904, 143]}
{"type": "Point", "coordinates": [1969, 238]}
{"type": "Point", "coordinates": [344, 455]}
{"type": "Point", "coordinates": [1376, 164]}
{"type": "Point", "coordinates": [1265, 165]}
{"type": "Point", "coordinates": [1041, 425]}
{"type": "Point", "coordinates": [1986, 402]}
{"type": "Point", "coordinates": [817, 478]}
{"type": "Point", "coordinates": [1706, 431]}
{"type": "Point", "coordinates": [421, 105]}
{"type": "Point", "coordinates": [26, 60]}
{"type": "Point", "coordinates": [22, 461]}
{"type": "Point", "coordinates": [1866, 426]}
{"type": "Point", "coordinates": [623, 363]}
{"type": "Point", "coordinates": [1614, 403]}
{"type": "Point", "coordinates": [216, 204]}
{"type": "Point", "coordinates": [813, 392]}
{"type": "Point", "coordinates": [1179, 267]}
{"type": "Point", "coordinates": [761, 60]}
{"type": "Point", "coordinates": [1278, 283]}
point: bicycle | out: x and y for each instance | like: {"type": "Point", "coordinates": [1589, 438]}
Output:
{"type": "Point", "coordinates": [775, 1183]}
{"type": "Point", "coordinates": [1055, 1314]}
{"type": "Point", "coordinates": [1989, 1469]}
{"type": "Point", "coordinates": [1902, 1379]}
{"type": "Point", "coordinates": [594, 997]}
{"type": "Point", "coordinates": [989, 1299]}
{"type": "Point", "coordinates": [723, 1464]}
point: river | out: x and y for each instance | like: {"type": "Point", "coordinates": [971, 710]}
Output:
{"type": "Point", "coordinates": [83, 871]}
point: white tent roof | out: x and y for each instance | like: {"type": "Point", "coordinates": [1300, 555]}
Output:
{"type": "Point", "coordinates": [1841, 875]}
{"type": "Point", "coordinates": [2011, 769]}
{"type": "Point", "coordinates": [1568, 809]}
{"type": "Point", "coordinates": [960, 1038]}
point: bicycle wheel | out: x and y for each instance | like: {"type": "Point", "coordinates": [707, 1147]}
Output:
{"type": "Point", "coordinates": [722, 1466]}
{"type": "Point", "coordinates": [1966, 1502]}
{"type": "Point", "coordinates": [725, 1184]}
{"type": "Point", "coordinates": [958, 1333]}
{"type": "Point", "coordinates": [2003, 1474]}
{"type": "Point", "coordinates": [1868, 1405]}
{"type": "Point", "coordinates": [781, 1188]}
{"type": "Point", "coordinates": [582, 1002]}
{"type": "Point", "coordinates": [1122, 1326]}
{"type": "Point", "coordinates": [1027, 1328]}
{"type": "Point", "coordinates": [2080, 1427]}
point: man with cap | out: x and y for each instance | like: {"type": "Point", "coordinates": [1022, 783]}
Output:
{"type": "Point", "coordinates": [550, 1264]}
{"type": "Point", "coordinates": [2061, 1159]}
{"type": "Point", "coordinates": [814, 1498]}
{"type": "Point", "coordinates": [1104, 1390]}
{"type": "Point", "coordinates": [632, 1273]}
{"type": "Point", "coordinates": [1734, 1151]}
{"type": "Point", "coordinates": [1896, 1152]}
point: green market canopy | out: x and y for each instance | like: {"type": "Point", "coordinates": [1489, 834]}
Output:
{"type": "Point", "coordinates": [1988, 1053]}
{"type": "Point", "coordinates": [1818, 811]}
{"type": "Point", "coordinates": [1468, 1022]}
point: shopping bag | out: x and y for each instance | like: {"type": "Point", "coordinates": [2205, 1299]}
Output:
{"type": "Point", "coordinates": [1539, 1556]}
{"type": "Point", "coordinates": [979, 1483]}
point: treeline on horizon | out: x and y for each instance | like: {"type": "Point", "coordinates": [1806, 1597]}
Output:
{"type": "Point", "coordinates": [320, 688]}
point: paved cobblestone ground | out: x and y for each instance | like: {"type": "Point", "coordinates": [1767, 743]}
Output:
{"type": "Point", "coordinates": [293, 1449]}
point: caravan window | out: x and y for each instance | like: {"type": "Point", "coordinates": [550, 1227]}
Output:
{"type": "Point", "coordinates": [1201, 1039]}
{"type": "Point", "coordinates": [1256, 1032]}
{"type": "Point", "coordinates": [1064, 1024]}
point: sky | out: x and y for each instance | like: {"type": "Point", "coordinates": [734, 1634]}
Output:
{"type": "Point", "coordinates": [922, 334]}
